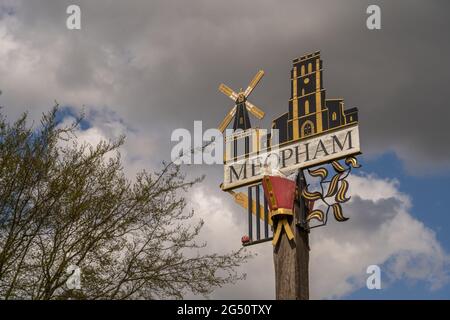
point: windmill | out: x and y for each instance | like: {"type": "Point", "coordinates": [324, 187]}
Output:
{"type": "Point", "coordinates": [242, 107]}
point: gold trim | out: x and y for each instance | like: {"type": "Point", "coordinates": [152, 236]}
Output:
{"type": "Point", "coordinates": [282, 211]}
{"type": "Point", "coordinates": [342, 105]}
{"type": "Point", "coordinates": [228, 152]}
{"type": "Point", "coordinates": [305, 116]}
{"type": "Point", "coordinates": [307, 74]}
{"type": "Point", "coordinates": [308, 94]}
{"type": "Point", "coordinates": [282, 223]}
{"type": "Point", "coordinates": [318, 99]}
{"type": "Point", "coordinates": [354, 123]}
{"type": "Point", "coordinates": [316, 214]}
{"type": "Point", "coordinates": [302, 132]}
{"type": "Point", "coordinates": [295, 105]}
{"type": "Point", "coordinates": [272, 198]}
{"type": "Point", "coordinates": [255, 140]}
{"type": "Point", "coordinates": [306, 56]}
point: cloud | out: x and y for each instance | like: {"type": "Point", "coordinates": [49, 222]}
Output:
{"type": "Point", "coordinates": [225, 224]}
{"type": "Point", "coordinates": [381, 231]}
{"type": "Point", "coordinates": [157, 64]}
{"type": "Point", "coordinates": [103, 124]}
{"type": "Point", "coordinates": [146, 68]}
{"type": "Point", "coordinates": [223, 228]}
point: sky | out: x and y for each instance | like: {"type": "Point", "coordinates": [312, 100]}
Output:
{"type": "Point", "coordinates": [146, 68]}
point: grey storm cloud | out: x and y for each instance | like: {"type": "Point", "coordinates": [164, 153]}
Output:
{"type": "Point", "coordinates": [158, 63]}
{"type": "Point", "coordinates": [383, 232]}
{"type": "Point", "coordinates": [149, 67]}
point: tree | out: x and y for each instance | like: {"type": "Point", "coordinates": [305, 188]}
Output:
{"type": "Point", "coordinates": [66, 204]}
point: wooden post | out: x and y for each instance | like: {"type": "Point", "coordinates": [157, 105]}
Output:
{"type": "Point", "coordinates": [292, 259]}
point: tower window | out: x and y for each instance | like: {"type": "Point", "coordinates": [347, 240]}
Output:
{"type": "Point", "coordinates": [302, 70]}
{"type": "Point", "coordinates": [307, 130]}
{"type": "Point", "coordinates": [334, 116]}
{"type": "Point", "coordinates": [309, 67]}
{"type": "Point", "coordinates": [306, 107]}
{"type": "Point", "coordinates": [303, 91]}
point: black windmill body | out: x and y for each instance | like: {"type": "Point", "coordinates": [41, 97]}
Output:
{"type": "Point", "coordinates": [241, 109]}
{"type": "Point", "coordinates": [241, 118]}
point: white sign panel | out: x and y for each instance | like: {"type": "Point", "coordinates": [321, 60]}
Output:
{"type": "Point", "coordinates": [303, 153]}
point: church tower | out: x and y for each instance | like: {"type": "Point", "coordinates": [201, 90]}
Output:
{"type": "Point", "coordinates": [307, 110]}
